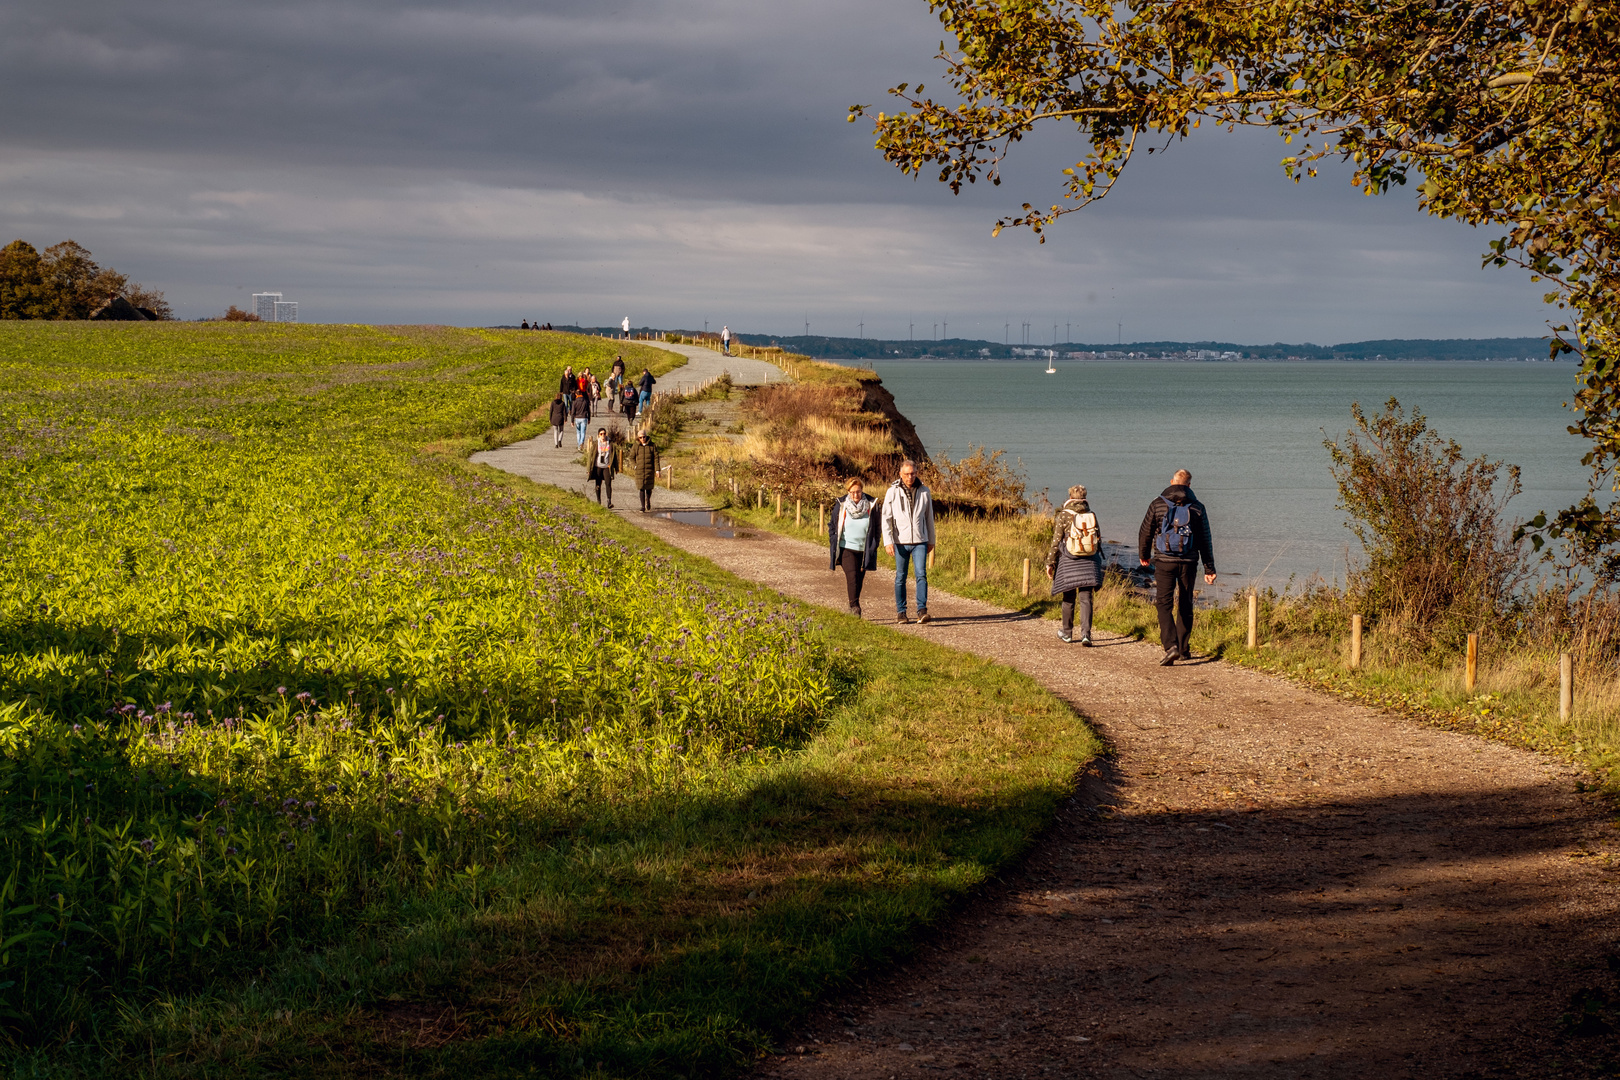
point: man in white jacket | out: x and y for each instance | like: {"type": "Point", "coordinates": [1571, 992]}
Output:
{"type": "Point", "coordinates": [908, 535]}
{"type": "Point", "coordinates": [626, 325]}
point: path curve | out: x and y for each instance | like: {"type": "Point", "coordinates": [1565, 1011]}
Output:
{"type": "Point", "coordinates": [543, 462]}
{"type": "Point", "coordinates": [1261, 881]}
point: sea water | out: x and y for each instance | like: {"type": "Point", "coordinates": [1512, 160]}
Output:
{"type": "Point", "coordinates": [1250, 433]}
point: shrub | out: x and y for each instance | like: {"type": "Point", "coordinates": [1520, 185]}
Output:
{"type": "Point", "coordinates": [1440, 558]}
{"type": "Point", "coordinates": [979, 483]}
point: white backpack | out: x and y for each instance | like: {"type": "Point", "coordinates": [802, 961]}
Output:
{"type": "Point", "coordinates": [1083, 538]}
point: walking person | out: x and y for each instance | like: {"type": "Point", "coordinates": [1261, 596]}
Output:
{"type": "Point", "coordinates": [626, 326]}
{"type": "Point", "coordinates": [595, 390]}
{"type": "Point", "coordinates": [725, 340]}
{"type": "Point", "coordinates": [852, 543]}
{"type": "Point", "coordinates": [569, 383]}
{"type": "Point", "coordinates": [643, 461]}
{"type": "Point", "coordinates": [581, 412]}
{"type": "Point", "coordinates": [628, 399]}
{"type": "Point", "coordinates": [645, 384]}
{"type": "Point", "coordinates": [908, 535]}
{"type": "Point", "coordinates": [1074, 562]}
{"type": "Point", "coordinates": [603, 462]}
{"type": "Point", "coordinates": [1175, 536]}
{"type": "Point", "coordinates": [559, 417]}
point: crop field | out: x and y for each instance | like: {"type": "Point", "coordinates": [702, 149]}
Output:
{"type": "Point", "coordinates": [323, 751]}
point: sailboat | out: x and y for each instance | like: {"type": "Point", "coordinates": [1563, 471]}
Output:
{"type": "Point", "coordinates": [1051, 361]}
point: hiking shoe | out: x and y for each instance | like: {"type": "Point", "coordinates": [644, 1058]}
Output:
{"type": "Point", "coordinates": [1085, 642]}
{"type": "Point", "coordinates": [902, 617]}
{"type": "Point", "coordinates": [1064, 636]}
{"type": "Point", "coordinates": [1169, 658]}
{"type": "Point", "coordinates": [922, 615]}
{"type": "Point", "coordinates": [854, 610]}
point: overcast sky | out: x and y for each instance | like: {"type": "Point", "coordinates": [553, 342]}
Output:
{"type": "Point", "coordinates": [572, 161]}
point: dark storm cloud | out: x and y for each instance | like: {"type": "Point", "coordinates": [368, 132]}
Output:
{"type": "Point", "coordinates": [487, 161]}
{"type": "Point", "coordinates": [723, 98]}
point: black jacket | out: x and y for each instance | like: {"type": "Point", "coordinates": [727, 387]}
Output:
{"type": "Point", "coordinates": [568, 383]}
{"type": "Point", "coordinates": [646, 382]}
{"type": "Point", "coordinates": [581, 409]}
{"type": "Point", "coordinates": [559, 413]}
{"type": "Point", "coordinates": [1203, 547]}
{"type": "Point", "coordinates": [874, 529]}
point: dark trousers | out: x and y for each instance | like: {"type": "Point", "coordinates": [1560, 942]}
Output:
{"type": "Point", "coordinates": [646, 495]}
{"type": "Point", "coordinates": [854, 564]}
{"type": "Point", "coordinates": [1085, 597]}
{"type": "Point", "coordinates": [1173, 585]}
{"type": "Point", "coordinates": [604, 478]}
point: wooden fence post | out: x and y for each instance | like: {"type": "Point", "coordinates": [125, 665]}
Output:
{"type": "Point", "coordinates": [1355, 642]}
{"type": "Point", "coordinates": [973, 564]}
{"type": "Point", "coordinates": [1566, 686]}
{"type": "Point", "coordinates": [1254, 619]}
{"type": "Point", "coordinates": [798, 513]}
{"type": "Point", "coordinates": [930, 560]}
{"type": "Point", "coordinates": [1026, 577]}
{"type": "Point", "coordinates": [1471, 671]}
{"type": "Point", "coordinates": [778, 504]}
{"type": "Point", "coordinates": [821, 518]}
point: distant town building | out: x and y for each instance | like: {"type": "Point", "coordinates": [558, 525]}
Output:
{"type": "Point", "coordinates": [270, 307]}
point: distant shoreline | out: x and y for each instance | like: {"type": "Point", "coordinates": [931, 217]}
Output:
{"type": "Point", "coordinates": [1188, 360]}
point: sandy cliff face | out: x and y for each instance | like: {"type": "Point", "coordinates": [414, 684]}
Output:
{"type": "Point", "coordinates": [878, 400]}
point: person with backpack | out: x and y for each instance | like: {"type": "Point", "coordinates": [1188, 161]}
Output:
{"type": "Point", "coordinates": [852, 543]}
{"type": "Point", "coordinates": [643, 461]}
{"type": "Point", "coordinates": [1074, 562]}
{"type": "Point", "coordinates": [628, 401]}
{"type": "Point", "coordinates": [559, 417]}
{"type": "Point", "coordinates": [1174, 536]}
{"type": "Point", "coordinates": [581, 412]}
{"type": "Point", "coordinates": [602, 462]}
{"type": "Point", "coordinates": [908, 536]}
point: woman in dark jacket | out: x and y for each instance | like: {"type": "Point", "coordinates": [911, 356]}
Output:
{"type": "Point", "coordinates": [853, 535]}
{"type": "Point", "coordinates": [601, 463]}
{"type": "Point", "coordinates": [643, 462]}
{"type": "Point", "coordinates": [559, 417]}
{"type": "Point", "coordinates": [1075, 577]}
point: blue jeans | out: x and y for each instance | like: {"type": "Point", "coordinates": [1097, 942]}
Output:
{"type": "Point", "coordinates": [917, 556]}
{"type": "Point", "coordinates": [642, 401]}
{"type": "Point", "coordinates": [579, 432]}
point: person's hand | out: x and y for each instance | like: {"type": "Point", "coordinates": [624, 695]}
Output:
{"type": "Point", "coordinates": [890, 549]}
{"type": "Point", "coordinates": [1144, 562]}
{"type": "Point", "coordinates": [930, 549]}
{"type": "Point", "coordinates": [1209, 579]}
{"type": "Point", "coordinates": [1049, 571]}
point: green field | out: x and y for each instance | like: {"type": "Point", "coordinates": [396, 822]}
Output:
{"type": "Point", "coordinates": [324, 753]}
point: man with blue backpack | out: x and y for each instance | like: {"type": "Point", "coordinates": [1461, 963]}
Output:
{"type": "Point", "coordinates": [1175, 535]}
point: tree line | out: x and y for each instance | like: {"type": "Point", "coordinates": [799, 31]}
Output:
{"type": "Point", "coordinates": [65, 282]}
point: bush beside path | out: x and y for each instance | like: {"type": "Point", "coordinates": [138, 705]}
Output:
{"type": "Point", "coordinates": [1260, 879]}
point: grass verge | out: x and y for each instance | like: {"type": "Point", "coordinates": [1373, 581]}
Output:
{"type": "Point", "coordinates": [320, 755]}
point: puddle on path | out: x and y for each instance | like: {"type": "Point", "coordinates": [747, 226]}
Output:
{"type": "Point", "coordinates": [704, 519]}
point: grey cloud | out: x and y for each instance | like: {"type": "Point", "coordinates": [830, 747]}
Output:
{"type": "Point", "coordinates": [677, 161]}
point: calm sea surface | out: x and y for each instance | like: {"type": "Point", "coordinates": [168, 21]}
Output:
{"type": "Point", "coordinates": [1250, 433]}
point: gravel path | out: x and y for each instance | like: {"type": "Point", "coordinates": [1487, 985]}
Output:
{"type": "Point", "coordinates": [541, 461]}
{"type": "Point", "coordinates": [1260, 881]}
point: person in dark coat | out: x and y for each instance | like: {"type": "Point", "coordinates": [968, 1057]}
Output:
{"type": "Point", "coordinates": [645, 384]}
{"type": "Point", "coordinates": [629, 402]}
{"type": "Point", "coordinates": [559, 417]}
{"type": "Point", "coordinates": [642, 460]}
{"type": "Point", "coordinates": [853, 534]}
{"type": "Point", "coordinates": [602, 462]}
{"type": "Point", "coordinates": [1175, 536]}
{"type": "Point", "coordinates": [581, 412]}
{"type": "Point", "coordinates": [1074, 577]}
{"type": "Point", "coordinates": [568, 383]}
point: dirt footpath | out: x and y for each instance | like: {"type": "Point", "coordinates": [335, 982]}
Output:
{"type": "Point", "coordinates": [1261, 881]}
